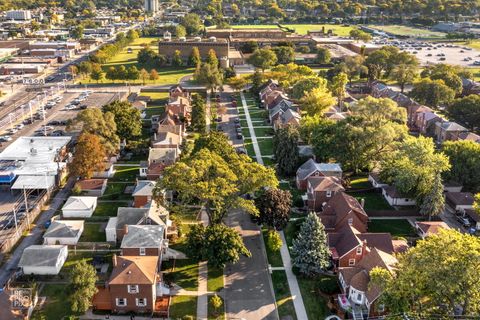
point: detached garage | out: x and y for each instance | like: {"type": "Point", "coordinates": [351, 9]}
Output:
{"type": "Point", "coordinates": [43, 259]}
{"type": "Point", "coordinates": [63, 232]}
{"type": "Point", "coordinates": [79, 207]}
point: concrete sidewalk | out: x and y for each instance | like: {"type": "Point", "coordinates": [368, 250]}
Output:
{"type": "Point", "coordinates": [202, 302]}
{"type": "Point", "coordinates": [256, 148]}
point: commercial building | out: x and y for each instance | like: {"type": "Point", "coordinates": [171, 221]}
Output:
{"type": "Point", "coordinates": [151, 6]}
{"type": "Point", "coordinates": [19, 15]}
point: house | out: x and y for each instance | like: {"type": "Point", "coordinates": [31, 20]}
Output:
{"type": "Point", "coordinates": [311, 168]}
{"type": "Point", "coordinates": [142, 194]}
{"type": "Point", "coordinates": [167, 122]}
{"type": "Point", "coordinates": [144, 240]}
{"type": "Point", "coordinates": [375, 180]}
{"type": "Point", "coordinates": [79, 207]}
{"type": "Point", "coordinates": [425, 122]}
{"type": "Point", "coordinates": [180, 107]}
{"type": "Point", "coordinates": [427, 228]}
{"type": "Point", "coordinates": [469, 136]}
{"type": "Point", "coordinates": [396, 198]}
{"type": "Point", "coordinates": [43, 259]}
{"type": "Point", "coordinates": [93, 187]}
{"type": "Point", "coordinates": [470, 87]}
{"type": "Point", "coordinates": [320, 190]}
{"type": "Point", "coordinates": [474, 217]}
{"type": "Point", "coordinates": [459, 201]}
{"type": "Point", "coordinates": [267, 87]}
{"type": "Point", "coordinates": [167, 140]}
{"type": "Point", "coordinates": [66, 232]}
{"type": "Point", "coordinates": [152, 215]}
{"type": "Point", "coordinates": [277, 110]}
{"type": "Point", "coordinates": [452, 186]}
{"type": "Point", "coordinates": [178, 91]}
{"type": "Point", "coordinates": [448, 131]}
{"type": "Point", "coordinates": [343, 210]}
{"type": "Point", "coordinates": [348, 246]}
{"type": "Point", "coordinates": [108, 172]}
{"type": "Point", "coordinates": [158, 160]}
{"type": "Point", "coordinates": [359, 295]}
{"type": "Point", "coordinates": [135, 286]}
{"type": "Point", "coordinates": [287, 118]}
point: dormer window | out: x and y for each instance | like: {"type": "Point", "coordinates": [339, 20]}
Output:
{"type": "Point", "coordinates": [142, 251]}
{"type": "Point", "coordinates": [350, 221]}
{"type": "Point", "coordinates": [359, 250]}
{"type": "Point", "coordinates": [329, 193]}
{"type": "Point", "coordinates": [132, 288]}
{"type": "Point", "coordinates": [351, 262]}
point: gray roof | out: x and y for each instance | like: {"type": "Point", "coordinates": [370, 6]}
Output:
{"type": "Point", "coordinates": [64, 229]}
{"type": "Point", "coordinates": [144, 188]}
{"type": "Point", "coordinates": [451, 126]}
{"type": "Point", "coordinates": [41, 255]}
{"type": "Point", "coordinates": [79, 203]}
{"type": "Point", "coordinates": [136, 216]}
{"type": "Point", "coordinates": [146, 236]}
{"type": "Point", "coordinates": [309, 167]}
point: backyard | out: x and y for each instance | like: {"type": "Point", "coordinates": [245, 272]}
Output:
{"type": "Point", "coordinates": [56, 305]}
{"type": "Point", "coordinates": [396, 227]}
{"type": "Point", "coordinates": [182, 272]}
{"type": "Point", "coordinates": [373, 200]}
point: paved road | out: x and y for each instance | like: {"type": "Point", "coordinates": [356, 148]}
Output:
{"type": "Point", "coordinates": [35, 235]}
{"type": "Point", "coordinates": [248, 291]}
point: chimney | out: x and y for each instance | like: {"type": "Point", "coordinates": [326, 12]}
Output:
{"type": "Point", "coordinates": [362, 202]}
{"type": "Point", "coordinates": [125, 229]}
{"type": "Point", "coordinates": [114, 258]}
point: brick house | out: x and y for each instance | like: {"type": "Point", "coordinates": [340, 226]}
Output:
{"type": "Point", "coordinates": [343, 210]}
{"type": "Point", "coordinates": [288, 118]}
{"type": "Point", "coordinates": [311, 169]}
{"type": "Point", "coordinates": [179, 106]}
{"type": "Point", "coordinates": [448, 131]}
{"type": "Point", "coordinates": [144, 240]}
{"type": "Point", "coordinates": [178, 91]}
{"type": "Point", "coordinates": [320, 190]}
{"type": "Point", "coordinates": [142, 194]}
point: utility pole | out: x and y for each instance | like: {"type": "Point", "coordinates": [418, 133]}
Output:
{"type": "Point", "coordinates": [26, 204]}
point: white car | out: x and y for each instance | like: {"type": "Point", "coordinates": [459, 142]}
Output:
{"type": "Point", "coordinates": [20, 126]}
{"type": "Point", "coordinates": [69, 107]}
{"type": "Point", "coordinates": [5, 138]}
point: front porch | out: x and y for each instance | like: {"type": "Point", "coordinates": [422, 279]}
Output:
{"type": "Point", "coordinates": [358, 312]}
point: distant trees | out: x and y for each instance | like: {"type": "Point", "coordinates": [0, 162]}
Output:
{"type": "Point", "coordinates": [274, 207]}
{"type": "Point", "coordinates": [466, 110]}
{"type": "Point", "coordinates": [89, 156]}
{"type": "Point", "coordinates": [127, 119]}
{"type": "Point", "coordinates": [310, 251]}
{"type": "Point", "coordinates": [285, 54]}
{"type": "Point", "coordinates": [192, 23]}
{"type": "Point", "coordinates": [382, 62]}
{"type": "Point", "coordinates": [83, 278]}
{"type": "Point", "coordinates": [451, 75]}
{"type": "Point", "coordinates": [180, 31]}
{"type": "Point", "coordinates": [360, 35]}
{"type": "Point", "coordinates": [285, 150]}
{"type": "Point", "coordinates": [432, 92]}
{"type": "Point", "coordinates": [263, 59]}
{"type": "Point", "coordinates": [199, 114]}
{"type": "Point", "coordinates": [323, 55]}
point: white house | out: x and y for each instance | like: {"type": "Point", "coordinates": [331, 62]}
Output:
{"type": "Point", "coordinates": [111, 230]}
{"type": "Point", "coordinates": [43, 259]}
{"type": "Point", "coordinates": [395, 198]}
{"type": "Point", "coordinates": [63, 232]}
{"type": "Point", "coordinates": [79, 207]}
{"type": "Point", "coordinates": [375, 180]}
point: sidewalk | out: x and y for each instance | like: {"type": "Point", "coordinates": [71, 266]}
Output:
{"type": "Point", "coordinates": [256, 148]}
{"type": "Point", "coordinates": [202, 302]}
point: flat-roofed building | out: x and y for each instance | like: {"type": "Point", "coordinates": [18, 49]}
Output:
{"type": "Point", "coordinates": [19, 15]}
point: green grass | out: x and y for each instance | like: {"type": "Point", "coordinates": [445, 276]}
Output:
{"type": "Point", "coordinates": [291, 231]}
{"type": "Point", "coordinates": [263, 132]}
{"type": "Point", "coordinates": [360, 183]}
{"type": "Point", "coordinates": [315, 304]}
{"type": "Point", "coordinates": [303, 28]}
{"type": "Point", "coordinates": [185, 273]}
{"type": "Point", "coordinates": [185, 215]}
{"type": "Point", "coordinates": [215, 314]}
{"type": "Point", "coordinates": [409, 31]}
{"type": "Point", "coordinates": [155, 96]}
{"type": "Point", "coordinates": [373, 200]}
{"type": "Point", "coordinates": [396, 227]}
{"type": "Point", "coordinates": [215, 279]}
{"type": "Point", "coordinates": [107, 209]}
{"type": "Point", "coordinates": [274, 257]}
{"type": "Point", "coordinates": [268, 161]}
{"type": "Point", "coordinates": [93, 232]}
{"type": "Point", "coordinates": [127, 173]}
{"type": "Point", "coordinates": [153, 111]}
{"type": "Point", "coordinates": [266, 146]}
{"type": "Point", "coordinates": [115, 191]}
{"type": "Point", "coordinates": [283, 295]}
{"type": "Point", "coordinates": [182, 306]}
{"type": "Point", "coordinates": [56, 306]}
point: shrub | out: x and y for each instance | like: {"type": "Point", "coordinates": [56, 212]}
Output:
{"type": "Point", "coordinates": [327, 285]}
{"type": "Point", "coordinates": [274, 242]}
{"type": "Point", "coordinates": [76, 190]}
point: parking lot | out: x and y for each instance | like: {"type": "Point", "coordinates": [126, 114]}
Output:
{"type": "Point", "coordinates": [434, 52]}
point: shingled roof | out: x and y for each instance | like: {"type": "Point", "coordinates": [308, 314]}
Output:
{"type": "Point", "coordinates": [134, 270]}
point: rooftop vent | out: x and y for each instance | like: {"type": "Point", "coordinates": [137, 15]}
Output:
{"type": "Point", "coordinates": [213, 39]}
{"type": "Point", "coordinates": [33, 151]}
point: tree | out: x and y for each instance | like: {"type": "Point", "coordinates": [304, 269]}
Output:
{"type": "Point", "coordinates": [199, 114]}
{"type": "Point", "coordinates": [217, 181]}
{"type": "Point", "coordinates": [195, 60]}
{"type": "Point", "coordinates": [146, 55]}
{"type": "Point", "coordinates": [466, 111]}
{"type": "Point", "coordinates": [77, 32]}
{"type": "Point", "coordinates": [464, 158]}
{"type": "Point", "coordinates": [432, 92]}
{"type": "Point", "coordinates": [354, 67]}
{"type": "Point", "coordinates": [274, 206]}
{"type": "Point", "coordinates": [180, 31]}
{"type": "Point", "coordinates": [305, 85]}
{"type": "Point", "coordinates": [83, 277]}
{"type": "Point", "coordinates": [249, 47]}
{"type": "Point", "coordinates": [89, 156]}
{"type": "Point", "coordinates": [451, 75]}
{"type": "Point", "coordinates": [274, 241]}
{"type": "Point", "coordinates": [310, 251]}
{"type": "Point", "coordinates": [441, 270]}
{"type": "Point", "coordinates": [192, 23]}
{"type": "Point", "coordinates": [127, 119]}
{"type": "Point", "coordinates": [132, 73]}
{"type": "Point", "coordinates": [209, 76]}
{"type": "Point", "coordinates": [323, 55]}
{"type": "Point", "coordinates": [132, 34]}
{"type": "Point", "coordinates": [144, 75]}
{"type": "Point", "coordinates": [217, 243]}
{"type": "Point", "coordinates": [153, 75]}
{"type": "Point", "coordinates": [360, 35]}
{"type": "Point", "coordinates": [177, 59]}
{"type": "Point", "coordinates": [237, 83]}
{"type": "Point", "coordinates": [284, 54]}
{"type": "Point", "coordinates": [317, 101]}
{"type": "Point", "coordinates": [97, 72]}
{"type": "Point", "coordinates": [285, 150]}
{"type": "Point", "coordinates": [434, 202]}
{"type": "Point", "coordinates": [404, 74]}
{"type": "Point", "coordinates": [212, 58]}
{"type": "Point", "coordinates": [216, 302]}
{"type": "Point", "coordinates": [263, 59]}
{"type": "Point", "coordinates": [85, 68]}
{"type": "Point", "coordinates": [103, 125]}
{"type": "Point", "coordinates": [122, 73]}
{"type": "Point", "coordinates": [111, 74]}
{"type": "Point", "coordinates": [338, 88]}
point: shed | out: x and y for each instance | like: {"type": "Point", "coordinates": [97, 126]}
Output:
{"type": "Point", "coordinates": [43, 259]}
{"type": "Point", "coordinates": [79, 207]}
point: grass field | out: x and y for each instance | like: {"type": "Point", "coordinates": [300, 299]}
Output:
{"type": "Point", "coordinates": [282, 295]}
{"type": "Point", "coordinates": [183, 306]}
{"type": "Point", "coordinates": [396, 227]}
{"type": "Point", "coordinates": [126, 173]}
{"type": "Point", "coordinates": [56, 306]}
{"type": "Point", "coordinates": [409, 31]}
{"type": "Point", "coordinates": [340, 30]}
{"type": "Point", "coordinates": [93, 232]}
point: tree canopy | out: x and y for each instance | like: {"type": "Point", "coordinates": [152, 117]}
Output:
{"type": "Point", "coordinates": [274, 207]}
{"type": "Point", "coordinates": [89, 156]}
{"type": "Point", "coordinates": [432, 92]}
{"type": "Point", "coordinates": [83, 278]}
{"type": "Point", "coordinates": [102, 124]}
{"type": "Point", "coordinates": [464, 159]}
{"type": "Point", "coordinates": [263, 59]}
{"type": "Point", "coordinates": [127, 119]}
{"type": "Point", "coordinates": [466, 110]}
{"type": "Point", "coordinates": [285, 150]}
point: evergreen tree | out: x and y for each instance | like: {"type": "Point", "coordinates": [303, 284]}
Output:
{"type": "Point", "coordinates": [433, 203]}
{"type": "Point", "coordinates": [285, 150]}
{"type": "Point", "coordinates": [195, 60]}
{"type": "Point", "coordinates": [199, 114]}
{"type": "Point", "coordinates": [310, 251]}
{"type": "Point", "coordinates": [257, 80]}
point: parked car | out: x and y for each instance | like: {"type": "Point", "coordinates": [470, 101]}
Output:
{"type": "Point", "coordinates": [237, 120]}
{"type": "Point", "coordinates": [464, 221]}
{"type": "Point", "coordinates": [5, 138]}
{"type": "Point", "coordinates": [239, 136]}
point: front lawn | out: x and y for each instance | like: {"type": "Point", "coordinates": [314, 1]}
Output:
{"type": "Point", "coordinates": [126, 173]}
{"type": "Point", "coordinates": [93, 232]}
{"type": "Point", "coordinates": [291, 231]}
{"type": "Point", "coordinates": [373, 200]}
{"type": "Point", "coordinates": [183, 272]}
{"type": "Point", "coordinates": [315, 303]}
{"type": "Point", "coordinates": [283, 295]}
{"type": "Point", "coordinates": [184, 214]}
{"type": "Point", "coordinates": [265, 131]}
{"type": "Point", "coordinates": [215, 279]}
{"type": "Point", "coordinates": [396, 227]}
{"type": "Point", "coordinates": [107, 209]}
{"type": "Point", "coordinates": [183, 306]}
{"type": "Point", "coordinates": [56, 305]}
{"type": "Point", "coordinates": [266, 146]}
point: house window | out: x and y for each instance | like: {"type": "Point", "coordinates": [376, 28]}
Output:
{"type": "Point", "coordinates": [359, 250]}
{"type": "Point", "coordinates": [142, 251]}
{"type": "Point", "coordinates": [350, 221]}
{"type": "Point", "coordinates": [329, 193]}
{"type": "Point", "coordinates": [132, 288]}
{"type": "Point", "coordinates": [381, 308]}
{"type": "Point", "coordinates": [351, 262]}
{"type": "Point", "coordinates": [121, 302]}
{"type": "Point", "coordinates": [359, 297]}
{"type": "Point", "coordinates": [141, 302]}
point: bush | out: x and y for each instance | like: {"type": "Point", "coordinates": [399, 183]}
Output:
{"type": "Point", "coordinates": [76, 190]}
{"type": "Point", "coordinates": [327, 285]}
{"type": "Point", "coordinates": [274, 242]}
{"type": "Point", "coordinates": [298, 202]}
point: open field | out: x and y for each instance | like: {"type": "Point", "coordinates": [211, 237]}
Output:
{"type": "Point", "coordinates": [338, 29]}
{"type": "Point", "coordinates": [409, 31]}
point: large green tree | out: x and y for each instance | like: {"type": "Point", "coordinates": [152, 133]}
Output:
{"type": "Point", "coordinates": [263, 59]}
{"type": "Point", "coordinates": [102, 124]}
{"type": "Point", "coordinates": [466, 111]}
{"type": "Point", "coordinates": [307, 84]}
{"type": "Point", "coordinates": [285, 150]}
{"type": "Point", "coordinates": [199, 114]}
{"type": "Point", "coordinates": [274, 207]}
{"type": "Point", "coordinates": [83, 277]}
{"type": "Point", "coordinates": [209, 75]}
{"type": "Point", "coordinates": [127, 119]}
{"type": "Point", "coordinates": [432, 92]}
{"type": "Point", "coordinates": [89, 156]}
{"type": "Point", "coordinates": [317, 101]}
{"type": "Point", "coordinates": [192, 23]}
{"type": "Point", "coordinates": [464, 158]}
{"type": "Point", "coordinates": [338, 87]}
{"type": "Point", "coordinates": [285, 54]}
